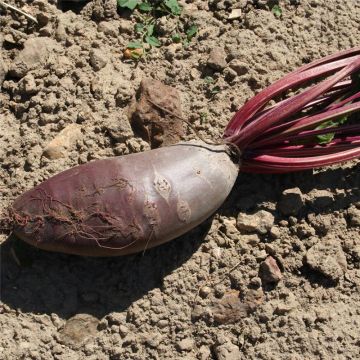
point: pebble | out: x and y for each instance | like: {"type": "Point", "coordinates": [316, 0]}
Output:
{"type": "Point", "coordinates": [228, 351]}
{"type": "Point", "coordinates": [97, 59]}
{"type": "Point", "coordinates": [275, 232]}
{"type": "Point", "coordinates": [235, 14]}
{"type": "Point", "coordinates": [185, 344]}
{"type": "Point", "coordinates": [291, 202]}
{"type": "Point", "coordinates": [260, 255]}
{"type": "Point", "coordinates": [269, 271]}
{"type": "Point", "coordinates": [260, 222]}
{"type": "Point", "coordinates": [78, 329]}
{"type": "Point", "coordinates": [58, 147]}
{"type": "Point", "coordinates": [43, 19]}
{"type": "Point", "coordinates": [328, 258]}
{"type": "Point", "coordinates": [205, 291]}
{"type": "Point", "coordinates": [216, 59]}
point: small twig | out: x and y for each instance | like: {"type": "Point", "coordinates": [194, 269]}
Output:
{"type": "Point", "coordinates": [19, 11]}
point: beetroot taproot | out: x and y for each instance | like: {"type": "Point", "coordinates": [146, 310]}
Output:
{"type": "Point", "coordinates": [126, 204]}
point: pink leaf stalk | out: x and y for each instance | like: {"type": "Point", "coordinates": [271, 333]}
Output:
{"type": "Point", "coordinates": [284, 137]}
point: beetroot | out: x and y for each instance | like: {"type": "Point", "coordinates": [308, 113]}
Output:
{"type": "Point", "coordinates": [127, 204]}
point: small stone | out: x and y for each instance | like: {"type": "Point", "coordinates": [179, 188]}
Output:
{"type": "Point", "coordinates": [9, 39]}
{"type": "Point", "coordinates": [97, 59]}
{"type": "Point", "coordinates": [269, 271]}
{"type": "Point", "coordinates": [321, 199]}
{"type": "Point", "coordinates": [328, 258]}
{"type": "Point", "coordinates": [260, 222]}
{"type": "Point", "coordinates": [79, 329]}
{"type": "Point", "coordinates": [216, 59]}
{"type": "Point", "coordinates": [235, 14]}
{"type": "Point", "coordinates": [291, 201]}
{"type": "Point", "coordinates": [228, 351]}
{"type": "Point", "coordinates": [260, 255]}
{"type": "Point", "coordinates": [58, 147]}
{"type": "Point", "coordinates": [163, 323]}
{"type": "Point", "coordinates": [275, 232]}
{"type": "Point", "coordinates": [354, 216]}
{"type": "Point", "coordinates": [43, 19]}
{"type": "Point", "coordinates": [185, 344]}
{"type": "Point", "coordinates": [205, 291]}
{"type": "Point", "coordinates": [123, 330]}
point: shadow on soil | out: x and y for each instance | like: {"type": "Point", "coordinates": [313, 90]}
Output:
{"type": "Point", "coordinates": [67, 285]}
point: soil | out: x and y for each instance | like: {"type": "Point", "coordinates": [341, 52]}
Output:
{"type": "Point", "coordinates": [274, 274]}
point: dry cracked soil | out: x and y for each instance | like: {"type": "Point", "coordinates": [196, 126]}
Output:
{"type": "Point", "coordinates": [274, 274]}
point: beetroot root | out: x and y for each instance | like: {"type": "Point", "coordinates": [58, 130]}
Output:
{"type": "Point", "coordinates": [126, 204]}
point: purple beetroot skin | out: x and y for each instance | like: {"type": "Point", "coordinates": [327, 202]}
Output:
{"type": "Point", "coordinates": [126, 204]}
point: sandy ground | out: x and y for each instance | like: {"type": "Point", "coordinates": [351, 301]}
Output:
{"type": "Point", "coordinates": [275, 274]}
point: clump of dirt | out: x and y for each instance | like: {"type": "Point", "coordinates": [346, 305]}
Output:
{"type": "Point", "coordinates": [156, 116]}
{"type": "Point", "coordinates": [275, 272]}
